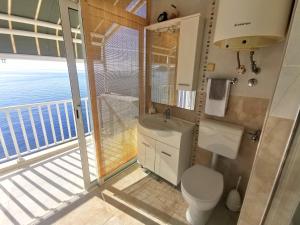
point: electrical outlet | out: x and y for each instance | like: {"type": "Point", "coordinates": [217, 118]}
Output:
{"type": "Point", "coordinates": [210, 67]}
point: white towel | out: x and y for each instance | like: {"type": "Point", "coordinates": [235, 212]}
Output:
{"type": "Point", "coordinates": [216, 107]}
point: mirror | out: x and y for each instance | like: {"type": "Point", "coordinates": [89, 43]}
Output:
{"type": "Point", "coordinates": [164, 45]}
{"type": "Point", "coordinates": [163, 66]}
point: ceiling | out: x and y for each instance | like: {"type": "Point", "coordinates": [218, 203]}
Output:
{"type": "Point", "coordinates": [33, 27]}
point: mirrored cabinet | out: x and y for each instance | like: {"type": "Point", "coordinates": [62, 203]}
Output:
{"type": "Point", "coordinates": [163, 66]}
{"type": "Point", "coordinates": [174, 58]}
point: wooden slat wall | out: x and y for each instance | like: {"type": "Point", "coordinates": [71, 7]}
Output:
{"type": "Point", "coordinates": [104, 12]}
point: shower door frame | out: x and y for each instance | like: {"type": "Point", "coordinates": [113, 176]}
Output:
{"type": "Point", "coordinates": [280, 172]}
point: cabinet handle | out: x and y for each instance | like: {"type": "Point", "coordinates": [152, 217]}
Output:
{"type": "Point", "coordinates": [180, 84]}
{"type": "Point", "coordinates": [167, 154]}
{"type": "Point", "coordinates": [146, 144]}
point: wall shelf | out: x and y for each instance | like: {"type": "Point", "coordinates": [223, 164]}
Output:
{"type": "Point", "coordinates": [169, 23]}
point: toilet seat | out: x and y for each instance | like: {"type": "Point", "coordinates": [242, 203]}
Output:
{"type": "Point", "coordinates": [202, 184]}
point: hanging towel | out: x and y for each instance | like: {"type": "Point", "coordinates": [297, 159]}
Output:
{"type": "Point", "coordinates": [217, 89]}
{"type": "Point", "coordinates": [216, 100]}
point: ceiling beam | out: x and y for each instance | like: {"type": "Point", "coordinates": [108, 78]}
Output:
{"type": "Point", "coordinates": [116, 2]}
{"type": "Point", "coordinates": [115, 27]}
{"type": "Point", "coordinates": [57, 42]}
{"type": "Point", "coordinates": [139, 4]}
{"type": "Point", "coordinates": [37, 12]}
{"type": "Point", "coordinates": [34, 22]}
{"type": "Point", "coordinates": [34, 34]}
{"type": "Point", "coordinates": [13, 44]}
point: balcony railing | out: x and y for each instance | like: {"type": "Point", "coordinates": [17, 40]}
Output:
{"type": "Point", "coordinates": [25, 129]}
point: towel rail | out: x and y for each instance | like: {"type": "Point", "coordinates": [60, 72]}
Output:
{"type": "Point", "coordinates": [232, 80]}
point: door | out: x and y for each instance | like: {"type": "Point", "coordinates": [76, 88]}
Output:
{"type": "Point", "coordinates": [166, 164]}
{"type": "Point", "coordinates": [146, 152]}
{"type": "Point", "coordinates": [141, 156]}
{"type": "Point", "coordinates": [74, 42]}
{"type": "Point", "coordinates": [44, 108]}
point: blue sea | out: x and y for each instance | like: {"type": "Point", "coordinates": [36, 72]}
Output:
{"type": "Point", "coordinates": [23, 88]}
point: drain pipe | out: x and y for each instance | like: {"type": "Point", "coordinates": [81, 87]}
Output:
{"type": "Point", "coordinates": [214, 160]}
{"type": "Point", "coordinates": [255, 69]}
{"type": "Point", "coordinates": [241, 69]}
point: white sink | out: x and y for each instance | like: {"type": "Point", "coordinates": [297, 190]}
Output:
{"type": "Point", "coordinates": [158, 122]}
{"type": "Point", "coordinates": [169, 131]}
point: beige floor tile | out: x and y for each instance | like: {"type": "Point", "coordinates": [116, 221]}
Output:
{"type": "Point", "coordinates": [93, 212]}
{"type": "Point", "coordinates": [51, 192]}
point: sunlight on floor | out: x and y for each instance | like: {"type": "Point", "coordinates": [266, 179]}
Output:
{"type": "Point", "coordinates": [51, 192]}
{"type": "Point", "coordinates": [134, 197]}
{"type": "Point", "coordinates": [28, 194]}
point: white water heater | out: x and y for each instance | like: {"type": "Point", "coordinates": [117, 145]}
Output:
{"type": "Point", "coordinates": [251, 24]}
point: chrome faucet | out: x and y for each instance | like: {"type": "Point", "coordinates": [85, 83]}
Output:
{"type": "Point", "coordinates": [167, 114]}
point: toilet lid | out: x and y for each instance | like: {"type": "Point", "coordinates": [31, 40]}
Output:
{"type": "Point", "coordinates": [202, 183]}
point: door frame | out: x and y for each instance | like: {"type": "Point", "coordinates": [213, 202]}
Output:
{"type": "Point", "coordinates": [64, 5]}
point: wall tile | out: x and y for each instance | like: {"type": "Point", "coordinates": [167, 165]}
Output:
{"type": "Point", "coordinates": [286, 99]}
{"type": "Point", "coordinates": [250, 113]}
{"type": "Point", "coordinates": [277, 129]}
{"type": "Point", "coordinates": [266, 165]}
{"type": "Point", "coordinates": [293, 48]}
{"type": "Point", "coordinates": [268, 59]}
{"type": "Point", "coordinates": [245, 111]}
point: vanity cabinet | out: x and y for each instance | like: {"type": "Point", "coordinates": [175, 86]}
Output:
{"type": "Point", "coordinates": [147, 152]}
{"type": "Point", "coordinates": [165, 152]}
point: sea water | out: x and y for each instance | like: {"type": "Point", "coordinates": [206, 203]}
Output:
{"type": "Point", "coordinates": [21, 88]}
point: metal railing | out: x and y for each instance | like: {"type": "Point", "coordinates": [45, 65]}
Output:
{"type": "Point", "coordinates": [25, 129]}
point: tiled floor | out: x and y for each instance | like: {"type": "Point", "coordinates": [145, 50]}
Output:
{"type": "Point", "coordinates": [51, 192]}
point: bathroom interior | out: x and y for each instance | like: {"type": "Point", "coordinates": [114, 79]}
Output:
{"type": "Point", "coordinates": [189, 114]}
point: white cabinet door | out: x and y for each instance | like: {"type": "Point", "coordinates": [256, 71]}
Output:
{"type": "Point", "coordinates": [141, 150]}
{"type": "Point", "coordinates": [189, 53]}
{"type": "Point", "coordinates": [166, 164]}
{"type": "Point", "coordinates": [146, 154]}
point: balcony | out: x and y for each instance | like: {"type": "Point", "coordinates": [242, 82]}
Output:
{"type": "Point", "coordinates": [40, 164]}
{"type": "Point", "coordinates": [33, 132]}
{"type": "Point", "coordinates": [41, 189]}
{"type": "Point", "coordinates": [31, 128]}
{"type": "Point", "coordinates": [43, 138]}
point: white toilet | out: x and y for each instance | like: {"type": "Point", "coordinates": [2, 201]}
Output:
{"type": "Point", "coordinates": [202, 187]}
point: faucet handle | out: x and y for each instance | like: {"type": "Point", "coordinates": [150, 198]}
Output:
{"type": "Point", "coordinates": [254, 135]}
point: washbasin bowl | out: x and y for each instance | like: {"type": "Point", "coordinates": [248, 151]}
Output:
{"type": "Point", "coordinates": [169, 131]}
{"type": "Point", "coordinates": [159, 123]}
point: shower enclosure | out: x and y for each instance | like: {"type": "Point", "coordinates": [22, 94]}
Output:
{"type": "Point", "coordinates": [284, 208]}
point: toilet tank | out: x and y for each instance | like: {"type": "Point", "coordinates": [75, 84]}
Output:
{"type": "Point", "coordinates": [219, 137]}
